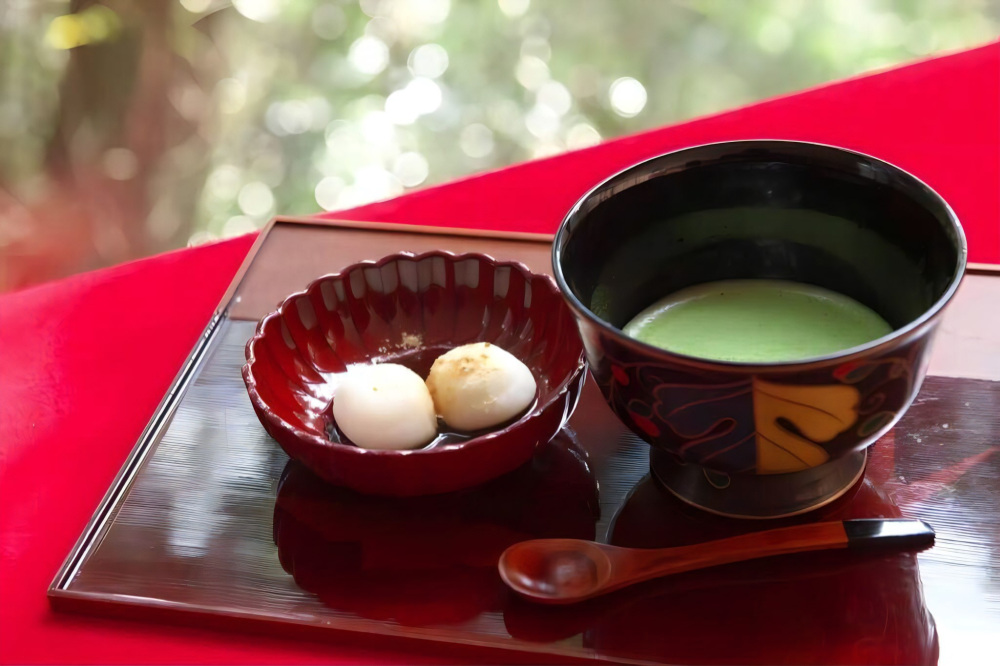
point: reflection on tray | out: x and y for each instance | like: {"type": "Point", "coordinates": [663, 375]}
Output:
{"type": "Point", "coordinates": [826, 607]}
{"type": "Point", "coordinates": [839, 607]}
{"type": "Point", "coordinates": [432, 562]}
{"type": "Point", "coordinates": [428, 560]}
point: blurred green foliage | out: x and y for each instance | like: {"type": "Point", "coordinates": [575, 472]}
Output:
{"type": "Point", "coordinates": [294, 106]}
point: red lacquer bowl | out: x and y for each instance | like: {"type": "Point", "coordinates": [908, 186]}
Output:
{"type": "Point", "coordinates": [409, 309]}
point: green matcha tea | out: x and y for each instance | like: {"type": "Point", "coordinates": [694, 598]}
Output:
{"type": "Point", "coordinates": [756, 321]}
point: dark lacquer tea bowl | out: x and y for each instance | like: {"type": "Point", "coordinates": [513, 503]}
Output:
{"type": "Point", "coordinates": [409, 309]}
{"type": "Point", "coordinates": [766, 439]}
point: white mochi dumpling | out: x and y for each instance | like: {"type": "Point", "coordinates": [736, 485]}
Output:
{"type": "Point", "coordinates": [479, 386]}
{"type": "Point", "coordinates": [385, 406]}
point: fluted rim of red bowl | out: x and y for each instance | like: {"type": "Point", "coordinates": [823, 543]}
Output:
{"type": "Point", "coordinates": [539, 407]}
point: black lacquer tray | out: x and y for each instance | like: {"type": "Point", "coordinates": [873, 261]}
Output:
{"type": "Point", "coordinates": [209, 523]}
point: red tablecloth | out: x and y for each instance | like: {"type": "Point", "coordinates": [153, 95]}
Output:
{"type": "Point", "coordinates": [85, 361]}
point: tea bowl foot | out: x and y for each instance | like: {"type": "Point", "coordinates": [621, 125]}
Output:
{"type": "Point", "coordinates": [757, 496]}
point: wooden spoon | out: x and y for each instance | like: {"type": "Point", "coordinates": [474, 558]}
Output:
{"type": "Point", "coordinates": [563, 571]}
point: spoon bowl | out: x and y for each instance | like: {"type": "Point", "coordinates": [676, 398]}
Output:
{"type": "Point", "coordinates": [554, 569]}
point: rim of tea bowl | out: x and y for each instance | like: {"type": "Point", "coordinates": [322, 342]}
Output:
{"type": "Point", "coordinates": [651, 168]}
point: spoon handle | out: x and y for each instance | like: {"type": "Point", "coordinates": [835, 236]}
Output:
{"type": "Point", "coordinates": [638, 565]}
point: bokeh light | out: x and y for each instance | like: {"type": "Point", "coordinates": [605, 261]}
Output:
{"type": "Point", "coordinates": [196, 6]}
{"type": "Point", "coordinates": [369, 55]}
{"type": "Point", "coordinates": [224, 182]}
{"type": "Point", "coordinates": [232, 95]}
{"type": "Point", "coordinates": [424, 94]}
{"type": "Point", "coordinates": [327, 192]}
{"type": "Point", "coordinates": [428, 60]}
{"type": "Point", "coordinates": [531, 72]}
{"type": "Point", "coordinates": [582, 135]}
{"type": "Point", "coordinates": [411, 169]}
{"type": "Point", "coordinates": [238, 225]}
{"type": "Point", "coordinates": [289, 117]}
{"type": "Point", "coordinates": [262, 11]}
{"type": "Point", "coordinates": [93, 25]}
{"type": "Point", "coordinates": [555, 96]}
{"type": "Point", "coordinates": [514, 8]}
{"type": "Point", "coordinates": [542, 121]}
{"type": "Point", "coordinates": [418, 13]}
{"type": "Point", "coordinates": [255, 199]}
{"type": "Point", "coordinates": [328, 21]}
{"type": "Point", "coordinates": [628, 97]}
